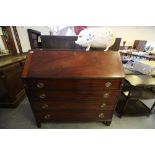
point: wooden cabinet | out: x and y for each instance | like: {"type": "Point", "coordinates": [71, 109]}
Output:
{"type": "Point", "coordinates": [73, 86]}
{"type": "Point", "coordinates": [11, 86]}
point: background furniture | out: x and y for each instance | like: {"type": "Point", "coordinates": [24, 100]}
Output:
{"type": "Point", "coordinates": [68, 43]}
{"type": "Point", "coordinates": [139, 45]}
{"type": "Point", "coordinates": [136, 55]}
{"type": "Point", "coordinates": [8, 40]}
{"type": "Point", "coordinates": [74, 86]}
{"type": "Point", "coordinates": [11, 87]}
{"type": "Point", "coordinates": [137, 88]}
{"type": "Point", "coordinates": [60, 42]}
{"type": "Point", "coordinates": [34, 38]}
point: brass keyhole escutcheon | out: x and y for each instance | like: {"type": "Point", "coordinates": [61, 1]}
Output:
{"type": "Point", "coordinates": [106, 95]}
{"type": "Point", "coordinates": [108, 84]}
{"type": "Point", "coordinates": [47, 116]}
{"type": "Point", "coordinates": [101, 115]}
{"type": "Point", "coordinates": [103, 105]}
{"type": "Point", "coordinates": [40, 85]}
{"type": "Point", "coordinates": [42, 96]}
{"type": "Point", "coordinates": [45, 106]}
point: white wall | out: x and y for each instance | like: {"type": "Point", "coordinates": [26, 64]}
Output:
{"type": "Point", "coordinates": [132, 33]}
{"type": "Point", "coordinates": [23, 34]}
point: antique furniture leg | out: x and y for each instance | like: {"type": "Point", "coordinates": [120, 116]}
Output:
{"type": "Point", "coordinates": [38, 124]}
{"type": "Point", "coordinates": [126, 101]}
{"type": "Point", "coordinates": [152, 107]}
{"type": "Point", "coordinates": [107, 123]}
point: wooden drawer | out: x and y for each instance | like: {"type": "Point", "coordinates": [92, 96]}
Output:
{"type": "Point", "coordinates": [41, 106]}
{"type": "Point", "coordinates": [66, 116]}
{"type": "Point", "coordinates": [10, 70]}
{"type": "Point", "coordinates": [75, 96]}
{"type": "Point", "coordinates": [73, 84]}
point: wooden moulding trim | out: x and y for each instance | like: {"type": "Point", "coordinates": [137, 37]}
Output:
{"type": "Point", "coordinates": [26, 66]}
{"type": "Point", "coordinates": [17, 39]}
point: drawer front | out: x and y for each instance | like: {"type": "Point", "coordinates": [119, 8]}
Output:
{"type": "Point", "coordinates": [77, 96]}
{"type": "Point", "coordinates": [65, 116]}
{"type": "Point", "coordinates": [93, 84]}
{"type": "Point", "coordinates": [42, 106]}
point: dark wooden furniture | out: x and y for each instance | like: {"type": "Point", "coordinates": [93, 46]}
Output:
{"type": "Point", "coordinates": [60, 42]}
{"type": "Point", "coordinates": [68, 43]}
{"type": "Point", "coordinates": [73, 86]}
{"type": "Point", "coordinates": [116, 45]}
{"type": "Point", "coordinates": [11, 87]}
{"type": "Point", "coordinates": [139, 45]}
{"type": "Point", "coordinates": [136, 89]}
{"type": "Point", "coordinates": [34, 37]}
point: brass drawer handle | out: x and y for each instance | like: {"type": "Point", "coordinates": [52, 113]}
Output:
{"type": "Point", "coordinates": [106, 95]}
{"type": "Point", "coordinates": [42, 96]}
{"type": "Point", "coordinates": [40, 85]}
{"type": "Point", "coordinates": [101, 115]}
{"type": "Point", "coordinates": [45, 106]}
{"type": "Point", "coordinates": [103, 105]}
{"type": "Point", "coordinates": [47, 116]}
{"type": "Point", "coordinates": [108, 84]}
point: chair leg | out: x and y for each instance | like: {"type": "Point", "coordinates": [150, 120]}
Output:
{"type": "Point", "coordinates": [152, 107]}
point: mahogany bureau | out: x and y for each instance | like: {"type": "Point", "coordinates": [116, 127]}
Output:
{"type": "Point", "coordinates": [73, 86]}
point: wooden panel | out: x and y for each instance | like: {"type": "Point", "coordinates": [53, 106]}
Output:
{"type": "Point", "coordinates": [78, 96]}
{"type": "Point", "coordinates": [60, 42]}
{"type": "Point", "coordinates": [26, 65]}
{"type": "Point", "coordinates": [74, 116]}
{"type": "Point", "coordinates": [49, 105]}
{"type": "Point", "coordinates": [74, 65]}
{"type": "Point", "coordinates": [12, 91]}
{"type": "Point", "coordinates": [11, 77]}
{"type": "Point", "coordinates": [74, 84]}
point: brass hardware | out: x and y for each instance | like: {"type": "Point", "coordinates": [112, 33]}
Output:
{"type": "Point", "coordinates": [40, 85]}
{"type": "Point", "coordinates": [103, 105]}
{"type": "Point", "coordinates": [45, 106]}
{"type": "Point", "coordinates": [101, 115]}
{"type": "Point", "coordinates": [108, 84]}
{"type": "Point", "coordinates": [42, 96]}
{"type": "Point", "coordinates": [47, 116]}
{"type": "Point", "coordinates": [106, 95]}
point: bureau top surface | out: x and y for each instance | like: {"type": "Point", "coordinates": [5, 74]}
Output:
{"type": "Point", "coordinates": [73, 64]}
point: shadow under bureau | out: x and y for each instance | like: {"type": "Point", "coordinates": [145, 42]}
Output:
{"type": "Point", "coordinates": [72, 86]}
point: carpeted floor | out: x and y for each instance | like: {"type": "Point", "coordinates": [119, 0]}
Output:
{"type": "Point", "coordinates": [22, 118]}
